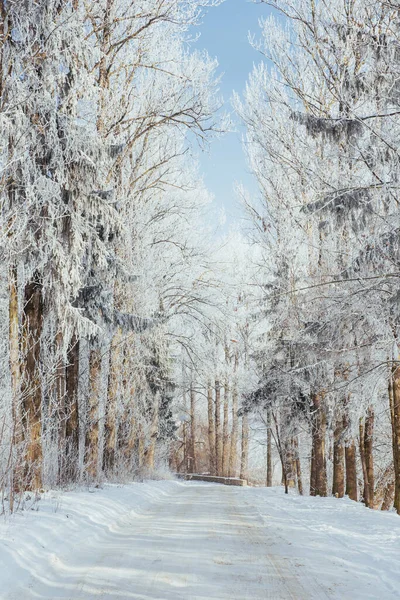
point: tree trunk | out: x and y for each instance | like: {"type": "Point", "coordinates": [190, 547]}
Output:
{"type": "Point", "coordinates": [92, 425]}
{"type": "Point", "coordinates": [395, 393]}
{"type": "Point", "coordinates": [290, 464]}
{"type": "Point", "coordinates": [151, 450]}
{"type": "Point", "coordinates": [245, 448]}
{"type": "Point", "coordinates": [226, 445]}
{"type": "Point", "coordinates": [369, 457]}
{"type": "Point", "coordinates": [298, 465]}
{"type": "Point", "coordinates": [363, 463]}
{"type": "Point", "coordinates": [15, 373]}
{"type": "Point", "coordinates": [193, 465]}
{"type": "Point", "coordinates": [312, 469]}
{"type": "Point", "coordinates": [281, 452]}
{"type": "Point", "coordinates": [338, 460]}
{"type": "Point", "coordinates": [61, 407]}
{"type": "Point", "coordinates": [218, 437]}
{"type": "Point", "coordinates": [185, 448]}
{"type": "Point", "coordinates": [318, 443]}
{"type": "Point", "coordinates": [32, 324]}
{"type": "Point", "coordinates": [351, 470]}
{"type": "Point", "coordinates": [140, 448]}
{"type": "Point", "coordinates": [234, 435]}
{"type": "Point", "coordinates": [111, 424]}
{"type": "Point", "coordinates": [211, 430]}
{"type": "Point", "coordinates": [71, 411]}
{"type": "Point", "coordinates": [388, 495]}
{"type": "Point", "coordinates": [269, 449]}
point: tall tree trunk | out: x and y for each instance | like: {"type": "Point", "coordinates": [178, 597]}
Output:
{"type": "Point", "coordinates": [15, 373]}
{"type": "Point", "coordinates": [151, 450]}
{"type": "Point", "coordinates": [244, 461]}
{"type": "Point", "coordinates": [211, 429]}
{"type": "Point", "coordinates": [92, 425]}
{"type": "Point", "coordinates": [395, 400]}
{"type": "Point", "coordinates": [61, 407]}
{"type": "Point", "coordinates": [185, 448]}
{"type": "Point", "coordinates": [394, 445]}
{"type": "Point", "coordinates": [226, 445]}
{"type": "Point", "coordinates": [234, 435]}
{"type": "Point", "coordinates": [71, 412]}
{"type": "Point", "coordinates": [363, 463]}
{"type": "Point", "coordinates": [369, 456]}
{"type": "Point", "coordinates": [111, 424]}
{"type": "Point", "coordinates": [338, 459]}
{"type": "Point", "coordinates": [130, 416]}
{"type": "Point", "coordinates": [269, 448]}
{"type": "Point", "coordinates": [290, 466]}
{"type": "Point", "coordinates": [350, 458]}
{"type": "Point", "coordinates": [32, 324]}
{"type": "Point", "coordinates": [318, 444]}
{"type": "Point", "coordinates": [298, 465]}
{"type": "Point", "coordinates": [218, 437]}
{"type": "Point", "coordinates": [193, 465]}
{"type": "Point", "coordinates": [281, 452]}
{"type": "Point", "coordinates": [351, 470]}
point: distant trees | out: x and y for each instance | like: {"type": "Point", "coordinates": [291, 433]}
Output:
{"type": "Point", "coordinates": [323, 123]}
{"type": "Point", "coordinates": [214, 434]}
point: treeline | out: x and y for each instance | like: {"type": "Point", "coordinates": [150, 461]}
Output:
{"type": "Point", "coordinates": [322, 113]}
{"type": "Point", "coordinates": [103, 263]}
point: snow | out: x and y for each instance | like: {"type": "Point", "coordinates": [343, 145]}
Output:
{"type": "Point", "coordinates": [174, 540]}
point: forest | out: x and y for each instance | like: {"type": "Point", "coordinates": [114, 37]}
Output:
{"type": "Point", "coordinates": [136, 340]}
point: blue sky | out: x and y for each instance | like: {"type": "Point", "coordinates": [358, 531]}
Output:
{"type": "Point", "coordinates": [224, 34]}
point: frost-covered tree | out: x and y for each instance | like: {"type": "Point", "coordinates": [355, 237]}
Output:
{"type": "Point", "coordinates": [100, 102]}
{"type": "Point", "coordinates": [322, 136]}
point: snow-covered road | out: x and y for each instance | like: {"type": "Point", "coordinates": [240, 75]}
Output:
{"type": "Point", "coordinates": [199, 541]}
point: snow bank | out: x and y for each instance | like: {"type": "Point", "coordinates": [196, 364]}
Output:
{"type": "Point", "coordinates": [328, 535]}
{"type": "Point", "coordinates": [32, 540]}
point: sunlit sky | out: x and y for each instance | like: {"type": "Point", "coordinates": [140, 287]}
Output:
{"type": "Point", "coordinates": [224, 34]}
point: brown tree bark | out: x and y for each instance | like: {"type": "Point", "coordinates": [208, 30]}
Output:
{"type": "Point", "coordinates": [14, 344]}
{"type": "Point", "coordinates": [395, 409]}
{"type": "Point", "coordinates": [92, 424]}
{"type": "Point", "coordinates": [15, 373]}
{"type": "Point", "coordinates": [60, 385]}
{"type": "Point", "coordinates": [312, 470]}
{"type": "Point", "coordinates": [234, 435]}
{"type": "Point", "coordinates": [31, 387]}
{"type": "Point", "coordinates": [318, 447]}
{"type": "Point", "coordinates": [244, 461]}
{"type": "Point", "coordinates": [281, 452]}
{"type": "Point", "coordinates": [388, 495]}
{"type": "Point", "coordinates": [218, 437]}
{"type": "Point", "coordinates": [211, 430]}
{"type": "Point", "coordinates": [111, 423]}
{"type": "Point", "coordinates": [369, 456]}
{"type": "Point", "coordinates": [351, 470]}
{"type": "Point", "coordinates": [225, 436]}
{"type": "Point", "coordinates": [363, 462]}
{"type": "Point", "coordinates": [298, 465]}
{"type": "Point", "coordinates": [193, 462]}
{"type": "Point", "coordinates": [71, 411]}
{"type": "Point", "coordinates": [290, 463]}
{"type": "Point", "coordinates": [269, 448]}
{"type": "Point", "coordinates": [338, 459]}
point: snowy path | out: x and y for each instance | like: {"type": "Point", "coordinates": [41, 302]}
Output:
{"type": "Point", "coordinates": [205, 542]}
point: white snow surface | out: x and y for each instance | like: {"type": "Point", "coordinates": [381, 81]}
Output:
{"type": "Point", "coordinates": [172, 540]}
